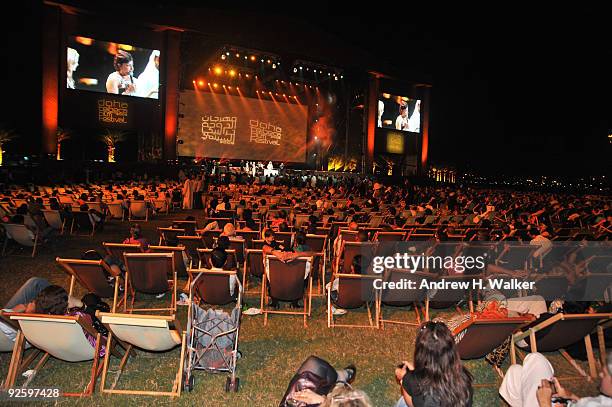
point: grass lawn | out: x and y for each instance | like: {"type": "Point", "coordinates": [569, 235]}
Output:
{"type": "Point", "coordinates": [270, 355]}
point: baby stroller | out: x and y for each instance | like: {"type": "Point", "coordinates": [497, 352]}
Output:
{"type": "Point", "coordinates": [213, 333]}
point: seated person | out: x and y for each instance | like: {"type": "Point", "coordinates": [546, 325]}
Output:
{"type": "Point", "coordinates": [218, 260]}
{"type": "Point", "coordinates": [135, 237]}
{"type": "Point", "coordinates": [437, 377]}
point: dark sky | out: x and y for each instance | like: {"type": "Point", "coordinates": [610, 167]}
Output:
{"type": "Point", "coordinates": [521, 89]}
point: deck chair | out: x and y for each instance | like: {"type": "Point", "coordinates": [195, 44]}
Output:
{"type": "Point", "coordinates": [91, 275]}
{"type": "Point", "coordinates": [21, 235]}
{"type": "Point", "coordinates": [191, 245]}
{"type": "Point", "coordinates": [318, 244]}
{"type": "Point", "coordinates": [481, 336]}
{"type": "Point", "coordinates": [212, 287]}
{"type": "Point", "coordinates": [59, 336]}
{"type": "Point", "coordinates": [515, 257]}
{"type": "Point", "coordinates": [81, 221]}
{"type": "Point", "coordinates": [403, 298]}
{"type": "Point", "coordinates": [115, 209]}
{"type": "Point", "coordinates": [54, 220]}
{"type": "Point", "coordinates": [168, 236]}
{"type": "Point", "coordinates": [253, 266]}
{"type": "Point", "coordinates": [220, 221]}
{"type": "Point", "coordinates": [138, 209]}
{"type": "Point", "coordinates": [258, 243]}
{"type": "Point", "coordinates": [209, 237]}
{"type": "Point", "coordinates": [350, 250]}
{"type": "Point", "coordinates": [284, 238]}
{"type": "Point", "coordinates": [560, 331]}
{"type": "Point", "coordinates": [116, 250]}
{"type": "Point", "coordinates": [248, 236]}
{"type": "Point", "coordinates": [149, 273]}
{"type": "Point", "coordinates": [354, 291]}
{"type": "Point", "coordinates": [389, 236]}
{"type": "Point", "coordinates": [286, 281]}
{"type": "Point", "coordinates": [179, 257]}
{"type": "Point", "coordinates": [161, 205]}
{"type": "Point", "coordinates": [189, 226]}
{"type": "Point", "coordinates": [149, 333]}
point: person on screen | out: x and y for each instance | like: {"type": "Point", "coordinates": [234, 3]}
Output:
{"type": "Point", "coordinates": [401, 123]}
{"type": "Point", "coordinates": [71, 66]}
{"type": "Point", "coordinates": [148, 80]}
{"type": "Point", "coordinates": [381, 110]}
{"type": "Point", "coordinates": [414, 123]}
{"type": "Point", "coordinates": [122, 82]}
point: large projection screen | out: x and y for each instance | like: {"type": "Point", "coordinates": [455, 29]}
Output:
{"type": "Point", "coordinates": [232, 127]}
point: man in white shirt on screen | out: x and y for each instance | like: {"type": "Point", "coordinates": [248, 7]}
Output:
{"type": "Point", "coordinates": [401, 123]}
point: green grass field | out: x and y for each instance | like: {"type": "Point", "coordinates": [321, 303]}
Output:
{"type": "Point", "coordinates": [270, 355]}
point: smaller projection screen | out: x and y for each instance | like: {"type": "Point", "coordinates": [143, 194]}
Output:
{"type": "Point", "coordinates": [399, 113]}
{"type": "Point", "coordinates": [110, 67]}
{"type": "Point", "coordinates": [231, 127]}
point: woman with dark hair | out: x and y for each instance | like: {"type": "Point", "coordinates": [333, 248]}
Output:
{"type": "Point", "coordinates": [437, 377]}
{"type": "Point", "coordinates": [122, 81]}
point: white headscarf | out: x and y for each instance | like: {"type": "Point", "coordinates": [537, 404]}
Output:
{"type": "Point", "coordinates": [414, 123]}
{"type": "Point", "coordinates": [148, 80]}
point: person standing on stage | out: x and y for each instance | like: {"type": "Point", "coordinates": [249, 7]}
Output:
{"type": "Point", "coordinates": [122, 81]}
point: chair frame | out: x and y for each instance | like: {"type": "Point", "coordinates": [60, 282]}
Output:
{"type": "Point", "coordinates": [374, 301]}
{"type": "Point", "coordinates": [18, 363]}
{"type": "Point", "coordinates": [127, 283]}
{"type": "Point", "coordinates": [531, 333]}
{"type": "Point", "coordinates": [178, 381]}
{"type": "Point", "coordinates": [264, 294]}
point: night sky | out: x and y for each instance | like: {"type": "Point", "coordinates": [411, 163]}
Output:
{"type": "Point", "coordinates": [523, 89]}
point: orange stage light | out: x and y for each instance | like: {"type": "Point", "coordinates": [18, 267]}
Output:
{"type": "Point", "coordinates": [232, 73]}
{"type": "Point", "coordinates": [218, 70]}
{"type": "Point", "coordinates": [200, 83]}
{"type": "Point", "coordinates": [252, 57]}
{"type": "Point", "coordinates": [84, 40]}
{"type": "Point", "coordinates": [215, 85]}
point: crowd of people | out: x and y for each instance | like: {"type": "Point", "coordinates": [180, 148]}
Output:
{"type": "Point", "coordinates": [306, 205]}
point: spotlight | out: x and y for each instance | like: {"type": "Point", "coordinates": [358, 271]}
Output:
{"type": "Point", "coordinates": [302, 68]}
{"type": "Point", "coordinates": [227, 53]}
{"type": "Point", "coordinates": [341, 76]}
{"type": "Point", "coordinates": [284, 95]}
{"type": "Point", "coordinates": [269, 61]}
{"type": "Point", "coordinates": [247, 76]}
{"type": "Point", "coordinates": [328, 74]}
{"type": "Point", "coordinates": [273, 66]}
{"type": "Point", "coordinates": [223, 56]}
{"type": "Point", "coordinates": [306, 68]}
{"type": "Point", "coordinates": [229, 87]}
{"type": "Point", "coordinates": [294, 70]}
{"type": "Point", "coordinates": [245, 57]}
{"type": "Point", "coordinates": [237, 55]}
{"type": "Point", "coordinates": [253, 58]}
{"type": "Point", "coordinates": [262, 60]}
{"type": "Point", "coordinates": [215, 85]}
{"type": "Point", "coordinates": [224, 86]}
{"type": "Point", "coordinates": [232, 73]}
{"type": "Point", "coordinates": [200, 82]}
{"type": "Point", "coordinates": [218, 70]}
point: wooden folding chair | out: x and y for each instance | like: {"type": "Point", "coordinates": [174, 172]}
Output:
{"type": "Point", "coordinates": [558, 332]}
{"type": "Point", "coordinates": [397, 297]}
{"type": "Point", "coordinates": [205, 259]}
{"type": "Point", "coordinates": [54, 219]}
{"type": "Point", "coordinates": [81, 221]}
{"type": "Point", "coordinates": [116, 250]}
{"type": "Point", "coordinates": [59, 336]}
{"type": "Point", "coordinates": [149, 273]}
{"type": "Point", "coordinates": [191, 245]}
{"type": "Point", "coordinates": [189, 226]}
{"type": "Point", "coordinates": [150, 333]}
{"type": "Point", "coordinates": [91, 275]}
{"type": "Point", "coordinates": [21, 235]}
{"type": "Point", "coordinates": [179, 257]}
{"type": "Point", "coordinates": [212, 287]}
{"type": "Point", "coordinates": [253, 266]}
{"type": "Point", "coordinates": [169, 236]}
{"type": "Point", "coordinates": [482, 336]}
{"type": "Point", "coordinates": [286, 281]}
{"type": "Point", "coordinates": [354, 291]}
{"type": "Point", "coordinates": [138, 209]}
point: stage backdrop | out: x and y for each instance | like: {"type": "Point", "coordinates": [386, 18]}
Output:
{"type": "Point", "coordinates": [223, 126]}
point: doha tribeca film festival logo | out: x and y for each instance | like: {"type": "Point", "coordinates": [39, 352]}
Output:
{"type": "Point", "coordinates": [112, 111]}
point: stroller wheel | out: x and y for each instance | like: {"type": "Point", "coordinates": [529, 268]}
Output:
{"type": "Point", "coordinates": [236, 385]}
{"type": "Point", "coordinates": [188, 382]}
{"type": "Point", "coordinates": [228, 384]}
